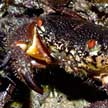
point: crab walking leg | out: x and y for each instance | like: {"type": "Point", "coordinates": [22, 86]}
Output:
{"type": "Point", "coordinates": [5, 96]}
{"type": "Point", "coordinates": [6, 60]}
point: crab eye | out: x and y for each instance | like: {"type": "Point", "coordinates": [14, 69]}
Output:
{"type": "Point", "coordinates": [91, 43]}
{"type": "Point", "coordinates": [93, 47]}
{"type": "Point", "coordinates": [39, 22]}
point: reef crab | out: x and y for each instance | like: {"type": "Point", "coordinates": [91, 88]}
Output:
{"type": "Point", "coordinates": [62, 40]}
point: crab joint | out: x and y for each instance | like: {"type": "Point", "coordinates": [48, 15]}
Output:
{"type": "Point", "coordinates": [38, 50]}
{"type": "Point", "coordinates": [39, 22]}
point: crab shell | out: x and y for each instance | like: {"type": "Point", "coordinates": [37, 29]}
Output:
{"type": "Point", "coordinates": [77, 44]}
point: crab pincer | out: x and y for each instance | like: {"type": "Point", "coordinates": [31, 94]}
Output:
{"type": "Point", "coordinates": [31, 55]}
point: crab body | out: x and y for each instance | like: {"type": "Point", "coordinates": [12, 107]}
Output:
{"type": "Point", "coordinates": [71, 40]}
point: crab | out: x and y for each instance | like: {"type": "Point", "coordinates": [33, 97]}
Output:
{"type": "Point", "coordinates": [59, 40]}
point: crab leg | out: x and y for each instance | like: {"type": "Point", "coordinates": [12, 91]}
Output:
{"type": "Point", "coordinates": [5, 61]}
{"type": "Point", "coordinates": [6, 95]}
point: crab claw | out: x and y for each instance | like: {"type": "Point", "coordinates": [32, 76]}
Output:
{"type": "Point", "coordinates": [28, 75]}
{"type": "Point", "coordinates": [38, 50]}
{"type": "Point", "coordinates": [24, 69]}
{"type": "Point", "coordinates": [31, 56]}
{"type": "Point", "coordinates": [32, 83]}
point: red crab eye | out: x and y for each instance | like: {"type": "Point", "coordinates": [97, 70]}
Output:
{"type": "Point", "coordinates": [39, 22]}
{"type": "Point", "coordinates": [91, 43]}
